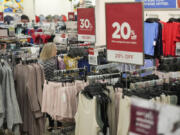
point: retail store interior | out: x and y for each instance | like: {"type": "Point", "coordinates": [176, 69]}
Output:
{"type": "Point", "coordinates": [89, 67]}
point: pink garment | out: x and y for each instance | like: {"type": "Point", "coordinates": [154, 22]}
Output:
{"type": "Point", "coordinates": [60, 100]}
{"type": "Point", "coordinates": [162, 75]}
{"type": "Point", "coordinates": [49, 97]}
{"type": "Point", "coordinates": [167, 76]}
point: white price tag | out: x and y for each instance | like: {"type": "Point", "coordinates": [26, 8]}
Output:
{"type": "Point", "coordinates": [154, 43]}
{"type": "Point", "coordinates": [178, 49]}
{"type": "Point", "coordinates": [71, 63]}
{"type": "Point", "coordinates": [93, 59]}
{"type": "Point", "coordinates": [64, 98]}
{"type": "Point", "coordinates": [71, 27]}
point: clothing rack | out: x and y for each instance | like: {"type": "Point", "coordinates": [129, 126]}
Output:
{"type": "Point", "coordinates": [76, 70]}
{"type": "Point", "coordinates": [174, 15]}
{"type": "Point", "coordinates": [152, 15]}
{"type": "Point", "coordinates": [110, 65]}
{"type": "Point", "coordinates": [117, 75]}
{"type": "Point", "coordinates": [81, 45]}
{"type": "Point", "coordinates": [140, 71]}
{"type": "Point", "coordinates": [147, 84]}
{"type": "Point", "coordinates": [5, 55]}
{"type": "Point", "coordinates": [29, 60]}
{"type": "Point", "coordinates": [104, 76]}
{"type": "Point", "coordinates": [170, 58]}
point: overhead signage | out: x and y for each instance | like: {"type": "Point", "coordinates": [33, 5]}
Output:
{"type": "Point", "coordinates": [71, 26]}
{"type": "Point", "coordinates": [93, 59]}
{"type": "Point", "coordinates": [86, 24]}
{"type": "Point", "coordinates": [71, 16]}
{"type": "Point", "coordinates": [124, 32]}
{"type": "Point", "coordinates": [1, 17]}
{"type": "Point", "coordinates": [158, 3]}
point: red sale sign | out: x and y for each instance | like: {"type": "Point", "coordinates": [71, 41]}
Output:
{"type": "Point", "coordinates": [153, 118]}
{"type": "Point", "coordinates": [124, 32]}
{"type": "Point", "coordinates": [143, 121]}
{"type": "Point", "coordinates": [86, 24]}
{"type": "Point", "coordinates": [1, 17]}
{"type": "Point", "coordinates": [71, 16]}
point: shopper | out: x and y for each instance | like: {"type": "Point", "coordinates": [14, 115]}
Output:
{"type": "Point", "coordinates": [24, 19]}
{"type": "Point", "coordinates": [48, 60]}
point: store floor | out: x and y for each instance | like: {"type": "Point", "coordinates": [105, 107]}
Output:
{"type": "Point", "coordinates": [54, 132]}
{"type": "Point", "coordinates": [62, 131]}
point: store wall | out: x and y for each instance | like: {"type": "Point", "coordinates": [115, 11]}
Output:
{"type": "Point", "coordinates": [29, 8]}
{"type": "Point", "coordinates": [162, 14]}
{"type": "Point", "coordinates": [100, 20]}
{"type": "Point", "coordinates": [52, 7]}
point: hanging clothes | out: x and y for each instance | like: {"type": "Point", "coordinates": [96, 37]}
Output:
{"type": "Point", "coordinates": [150, 37]}
{"type": "Point", "coordinates": [60, 99]}
{"type": "Point", "coordinates": [170, 36]}
{"type": "Point", "coordinates": [49, 66]}
{"type": "Point", "coordinates": [9, 108]}
{"type": "Point", "coordinates": [86, 123]}
{"type": "Point", "coordinates": [29, 80]}
{"type": "Point", "coordinates": [71, 63]}
{"type": "Point", "coordinates": [124, 116]}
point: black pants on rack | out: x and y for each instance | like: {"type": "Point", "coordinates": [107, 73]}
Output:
{"type": "Point", "coordinates": [52, 122]}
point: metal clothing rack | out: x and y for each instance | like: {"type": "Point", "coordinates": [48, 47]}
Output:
{"type": "Point", "coordinates": [152, 15]}
{"type": "Point", "coordinates": [170, 58]}
{"type": "Point", "coordinates": [29, 60]}
{"type": "Point", "coordinates": [117, 75]}
{"type": "Point", "coordinates": [174, 15]}
{"type": "Point", "coordinates": [140, 71]}
{"type": "Point", "coordinates": [147, 84]}
{"type": "Point", "coordinates": [110, 65]}
{"type": "Point", "coordinates": [76, 70]}
{"type": "Point", "coordinates": [104, 76]}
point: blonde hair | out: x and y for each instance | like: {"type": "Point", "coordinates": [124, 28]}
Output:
{"type": "Point", "coordinates": [48, 51]}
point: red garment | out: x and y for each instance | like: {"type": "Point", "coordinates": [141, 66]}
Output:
{"type": "Point", "coordinates": [30, 32]}
{"type": "Point", "coordinates": [40, 38]}
{"type": "Point", "coordinates": [45, 38]}
{"type": "Point", "coordinates": [39, 30]}
{"type": "Point", "coordinates": [37, 19]}
{"type": "Point", "coordinates": [36, 38]}
{"type": "Point", "coordinates": [64, 18]}
{"type": "Point", "coordinates": [170, 35]}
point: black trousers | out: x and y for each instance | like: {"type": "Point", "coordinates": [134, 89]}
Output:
{"type": "Point", "coordinates": [51, 122]}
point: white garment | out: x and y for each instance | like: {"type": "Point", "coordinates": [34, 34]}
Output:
{"type": "Point", "coordinates": [124, 116]}
{"type": "Point", "coordinates": [85, 118]}
{"type": "Point", "coordinates": [168, 117]}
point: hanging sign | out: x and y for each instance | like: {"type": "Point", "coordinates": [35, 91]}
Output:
{"type": "Point", "coordinates": [124, 32]}
{"type": "Point", "coordinates": [86, 24]}
{"type": "Point", "coordinates": [71, 16]}
{"type": "Point", "coordinates": [93, 59]}
{"type": "Point", "coordinates": [143, 121]}
{"type": "Point", "coordinates": [158, 3]}
{"type": "Point", "coordinates": [153, 118]}
{"type": "Point", "coordinates": [93, 56]}
{"type": "Point", "coordinates": [71, 26]}
{"type": "Point", "coordinates": [1, 17]}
